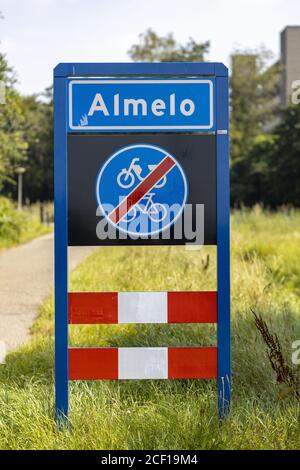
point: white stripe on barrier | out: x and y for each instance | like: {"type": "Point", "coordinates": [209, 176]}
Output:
{"type": "Point", "coordinates": [143, 363]}
{"type": "Point", "coordinates": [143, 307]}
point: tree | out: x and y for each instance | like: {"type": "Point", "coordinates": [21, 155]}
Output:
{"type": "Point", "coordinates": [154, 48]}
{"type": "Point", "coordinates": [254, 103]}
{"type": "Point", "coordinates": [13, 146]}
{"type": "Point", "coordinates": [271, 173]}
{"type": "Point", "coordinates": [38, 130]}
{"type": "Point", "coordinates": [284, 160]}
{"type": "Point", "coordinates": [250, 177]}
{"type": "Point", "coordinates": [26, 137]}
{"type": "Point", "coordinates": [254, 112]}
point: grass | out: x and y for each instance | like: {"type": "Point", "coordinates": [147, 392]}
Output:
{"type": "Point", "coordinates": [169, 414]}
{"type": "Point", "coordinates": [17, 227]}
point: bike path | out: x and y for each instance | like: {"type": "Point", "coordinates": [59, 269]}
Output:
{"type": "Point", "coordinates": [26, 278]}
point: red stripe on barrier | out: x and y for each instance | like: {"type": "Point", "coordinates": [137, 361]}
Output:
{"type": "Point", "coordinates": [141, 189]}
{"type": "Point", "coordinates": [102, 307]}
{"type": "Point", "coordinates": [192, 307]}
{"type": "Point", "coordinates": [192, 363]}
{"type": "Point", "coordinates": [93, 363]}
{"type": "Point", "coordinates": [93, 307]}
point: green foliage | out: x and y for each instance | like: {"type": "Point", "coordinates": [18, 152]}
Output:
{"type": "Point", "coordinates": [254, 108]}
{"type": "Point", "coordinates": [154, 48]}
{"type": "Point", "coordinates": [264, 164]}
{"type": "Point", "coordinates": [284, 159]}
{"type": "Point", "coordinates": [38, 130]}
{"type": "Point", "coordinates": [10, 222]}
{"type": "Point", "coordinates": [169, 414]}
{"type": "Point", "coordinates": [270, 173]}
{"type": "Point", "coordinates": [250, 175]}
{"type": "Point", "coordinates": [26, 137]}
{"type": "Point", "coordinates": [18, 226]}
{"type": "Point", "coordinates": [13, 146]}
{"type": "Point", "coordinates": [254, 92]}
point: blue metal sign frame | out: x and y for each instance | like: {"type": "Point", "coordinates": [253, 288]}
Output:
{"type": "Point", "coordinates": [62, 74]}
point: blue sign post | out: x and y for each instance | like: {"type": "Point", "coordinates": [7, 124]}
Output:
{"type": "Point", "coordinates": [142, 180]}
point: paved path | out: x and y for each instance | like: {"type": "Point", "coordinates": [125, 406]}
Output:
{"type": "Point", "coordinates": [26, 278]}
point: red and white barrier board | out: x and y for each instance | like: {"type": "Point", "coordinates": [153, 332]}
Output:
{"type": "Point", "coordinates": [142, 307]}
{"type": "Point", "coordinates": [142, 363]}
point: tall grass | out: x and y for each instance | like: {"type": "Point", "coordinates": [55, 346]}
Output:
{"type": "Point", "coordinates": [18, 226]}
{"type": "Point", "coordinates": [169, 414]}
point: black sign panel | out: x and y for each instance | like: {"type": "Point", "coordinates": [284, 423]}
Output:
{"type": "Point", "coordinates": [195, 155]}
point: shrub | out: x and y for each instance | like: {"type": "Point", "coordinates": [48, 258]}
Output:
{"type": "Point", "coordinates": [11, 221]}
{"type": "Point", "coordinates": [18, 226]}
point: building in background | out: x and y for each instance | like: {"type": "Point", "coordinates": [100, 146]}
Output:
{"type": "Point", "coordinates": [245, 66]}
{"type": "Point", "coordinates": [290, 61]}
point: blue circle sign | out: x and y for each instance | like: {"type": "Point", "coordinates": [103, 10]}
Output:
{"type": "Point", "coordinates": [141, 190]}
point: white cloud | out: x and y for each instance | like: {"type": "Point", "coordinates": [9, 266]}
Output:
{"type": "Point", "coordinates": [7, 45]}
{"type": "Point", "coordinates": [37, 34]}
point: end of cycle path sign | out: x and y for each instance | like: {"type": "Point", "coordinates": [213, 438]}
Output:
{"type": "Point", "coordinates": [135, 150]}
{"type": "Point", "coordinates": [141, 189]}
{"type": "Point", "coordinates": [122, 190]}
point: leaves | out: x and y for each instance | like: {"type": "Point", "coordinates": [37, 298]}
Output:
{"type": "Point", "coordinates": [154, 48]}
{"type": "Point", "coordinates": [38, 129]}
{"type": "Point", "coordinates": [254, 91]}
{"type": "Point", "coordinates": [13, 146]}
{"type": "Point", "coordinates": [270, 172]}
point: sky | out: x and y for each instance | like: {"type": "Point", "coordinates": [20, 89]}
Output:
{"type": "Point", "coordinates": [35, 35]}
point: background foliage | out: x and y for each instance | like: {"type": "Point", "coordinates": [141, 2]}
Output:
{"type": "Point", "coordinates": [19, 226]}
{"type": "Point", "coordinates": [265, 149]}
{"type": "Point", "coordinates": [265, 163]}
{"type": "Point", "coordinates": [13, 146]}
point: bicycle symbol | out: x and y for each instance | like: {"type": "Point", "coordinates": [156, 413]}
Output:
{"type": "Point", "coordinates": [155, 211]}
{"type": "Point", "coordinates": [126, 177]}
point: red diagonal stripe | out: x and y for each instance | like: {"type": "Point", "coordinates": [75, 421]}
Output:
{"type": "Point", "coordinates": [141, 189]}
